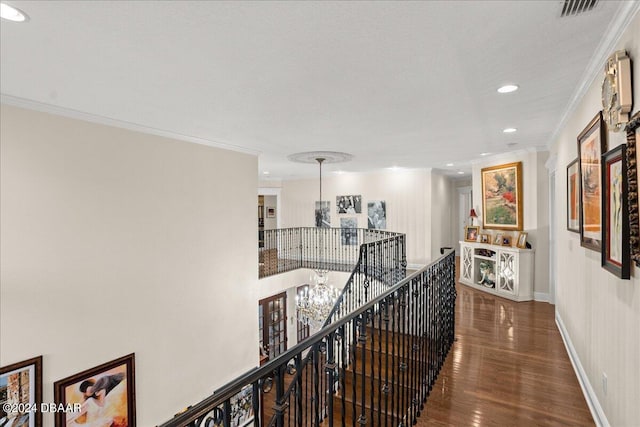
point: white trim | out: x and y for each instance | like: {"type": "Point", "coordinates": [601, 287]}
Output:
{"type": "Point", "coordinates": [416, 267]}
{"type": "Point", "coordinates": [101, 120]}
{"type": "Point", "coordinates": [618, 25]}
{"type": "Point", "coordinates": [589, 394]}
{"type": "Point", "coordinates": [541, 296]}
{"type": "Point", "coordinates": [552, 163]}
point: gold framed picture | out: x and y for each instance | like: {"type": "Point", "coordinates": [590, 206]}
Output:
{"type": "Point", "coordinates": [522, 240]}
{"type": "Point", "coordinates": [471, 233]}
{"type": "Point", "coordinates": [502, 197]}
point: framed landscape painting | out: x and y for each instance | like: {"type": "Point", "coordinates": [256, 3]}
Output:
{"type": "Point", "coordinates": [573, 197]}
{"type": "Point", "coordinates": [633, 172]}
{"type": "Point", "coordinates": [615, 215]}
{"type": "Point", "coordinates": [104, 395]}
{"type": "Point", "coordinates": [591, 145]}
{"type": "Point", "coordinates": [21, 393]}
{"type": "Point", "coordinates": [502, 197]}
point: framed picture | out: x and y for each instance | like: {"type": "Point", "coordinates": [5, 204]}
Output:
{"type": "Point", "coordinates": [323, 216]}
{"type": "Point", "coordinates": [471, 233]}
{"type": "Point", "coordinates": [349, 232]}
{"type": "Point", "coordinates": [377, 215]}
{"type": "Point", "coordinates": [522, 240]}
{"type": "Point", "coordinates": [616, 252]}
{"type": "Point", "coordinates": [633, 173]}
{"type": "Point", "coordinates": [484, 238]}
{"type": "Point", "coordinates": [497, 240]}
{"type": "Point", "coordinates": [573, 197]}
{"type": "Point", "coordinates": [104, 394]}
{"type": "Point", "coordinates": [21, 393]}
{"type": "Point", "coordinates": [502, 197]}
{"type": "Point", "coordinates": [591, 145]}
{"type": "Point", "coordinates": [271, 212]}
{"type": "Point", "coordinates": [349, 204]}
{"type": "Point", "coordinates": [506, 240]}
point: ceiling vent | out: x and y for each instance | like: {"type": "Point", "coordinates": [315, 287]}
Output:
{"type": "Point", "coordinates": [576, 7]}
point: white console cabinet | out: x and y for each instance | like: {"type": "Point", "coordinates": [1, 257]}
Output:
{"type": "Point", "coordinates": [505, 271]}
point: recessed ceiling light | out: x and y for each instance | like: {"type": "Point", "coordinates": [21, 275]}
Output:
{"type": "Point", "coordinates": [394, 168]}
{"type": "Point", "coordinates": [460, 173]}
{"type": "Point", "coordinates": [484, 154]}
{"type": "Point", "coordinates": [338, 172]}
{"type": "Point", "coordinates": [449, 164]}
{"type": "Point", "coordinates": [266, 173]}
{"type": "Point", "coordinates": [508, 88]}
{"type": "Point", "coordinates": [11, 13]}
{"type": "Point", "coordinates": [509, 130]}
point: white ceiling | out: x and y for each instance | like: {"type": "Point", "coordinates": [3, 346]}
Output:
{"type": "Point", "coordinates": [407, 84]}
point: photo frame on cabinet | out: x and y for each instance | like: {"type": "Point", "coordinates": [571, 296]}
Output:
{"type": "Point", "coordinates": [506, 240]}
{"type": "Point", "coordinates": [633, 128]}
{"type": "Point", "coordinates": [109, 387]}
{"type": "Point", "coordinates": [522, 240]}
{"type": "Point", "coordinates": [497, 240]}
{"type": "Point", "coordinates": [591, 145]}
{"type": "Point", "coordinates": [573, 196]}
{"type": "Point", "coordinates": [471, 233]}
{"type": "Point", "coordinates": [616, 257]}
{"type": "Point", "coordinates": [502, 197]}
{"type": "Point", "coordinates": [21, 396]}
{"type": "Point", "coordinates": [485, 238]}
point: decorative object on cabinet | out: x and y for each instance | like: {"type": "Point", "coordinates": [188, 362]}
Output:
{"type": "Point", "coordinates": [473, 215]}
{"type": "Point", "coordinates": [573, 197]}
{"type": "Point", "coordinates": [349, 204]}
{"type": "Point", "coordinates": [21, 396]}
{"type": "Point", "coordinates": [377, 215]}
{"type": "Point", "coordinates": [615, 213]}
{"type": "Point", "coordinates": [116, 378]}
{"type": "Point", "coordinates": [591, 145]}
{"type": "Point", "coordinates": [485, 238]}
{"type": "Point", "coordinates": [617, 96]}
{"type": "Point", "coordinates": [522, 240]}
{"type": "Point", "coordinates": [497, 240]}
{"type": "Point", "coordinates": [471, 233]}
{"type": "Point", "coordinates": [504, 271]}
{"type": "Point", "coordinates": [502, 197]}
{"type": "Point", "coordinates": [633, 128]}
{"type": "Point", "coordinates": [506, 240]}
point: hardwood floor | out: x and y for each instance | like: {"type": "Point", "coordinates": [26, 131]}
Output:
{"type": "Point", "coordinates": [508, 367]}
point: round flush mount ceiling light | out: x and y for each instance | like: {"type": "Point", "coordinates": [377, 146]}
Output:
{"type": "Point", "coordinates": [11, 13]}
{"type": "Point", "coordinates": [508, 88]}
{"type": "Point", "coordinates": [449, 164]}
{"type": "Point", "coordinates": [509, 130]}
{"type": "Point", "coordinates": [460, 173]}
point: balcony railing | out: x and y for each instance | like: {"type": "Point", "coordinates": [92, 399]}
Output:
{"type": "Point", "coordinates": [375, 360]}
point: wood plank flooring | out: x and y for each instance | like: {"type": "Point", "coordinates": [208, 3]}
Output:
{"type": "Point", "coordinates": [508, 367]}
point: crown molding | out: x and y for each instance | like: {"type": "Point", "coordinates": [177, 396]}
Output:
{"type": "Point", "coordinates": [107, 121]}
{"type": "Point", "coordinates": [618, 25]}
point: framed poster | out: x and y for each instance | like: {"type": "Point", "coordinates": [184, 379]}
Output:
{"type": "Point", "coordinates": [323, 216]}
{"type": "Point", "coordinates": [377, 215]}
{"type": "Point", "coordinates": [349, 204]}
{"type": "Point", "coordinates": [591, 145]}
{"type": "Point", "coordinates": [573, 197]}
{"type": "Point", "coordinates": [348, 231]}
{"type": "Point", "coordinates": [502, 197]}
{"type": "Point", "coordinates": [616, 256]}
{"type": "Point", "coordinates": [633, 173]}
{"type": "Point", "coordinates": [21, 393]}
{"type": "Point", "coordinates": [105, 395]}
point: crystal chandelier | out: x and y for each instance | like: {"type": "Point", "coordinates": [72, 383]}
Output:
{"type": "Point", "coordinates": [315, 302]}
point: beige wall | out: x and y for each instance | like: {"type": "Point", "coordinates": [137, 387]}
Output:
{"type": "Point", "coordinates": [442, 213]}
{"type": "Point", "coordinates": [407, 193]}
{"type": "Point", "coordinates": [598, 313]}
{"type": "Point", "coordinates": [535, 189]}
{"type": "Point", "coordinates": [116, 242]}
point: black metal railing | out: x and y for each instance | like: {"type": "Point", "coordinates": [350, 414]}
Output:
{"type": "Point", "coordinates": [374, 365]}
{"type": "Point", "coordinates": [335, 249]}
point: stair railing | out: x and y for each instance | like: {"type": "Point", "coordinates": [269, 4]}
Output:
{"type": "Point", "coordinates": [374, 365]}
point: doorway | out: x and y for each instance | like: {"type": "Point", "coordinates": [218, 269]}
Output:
{"type": "Point", "coordinates": [272, 321]}
{"type": "Point", "coordinates": [464, 207]}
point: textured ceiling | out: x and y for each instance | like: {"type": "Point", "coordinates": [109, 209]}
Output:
{"type": "Point", "coordinates": [406, 84]}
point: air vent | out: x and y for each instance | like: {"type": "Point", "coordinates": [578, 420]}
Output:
{"type": "Point", "coordinates": [576, 7]}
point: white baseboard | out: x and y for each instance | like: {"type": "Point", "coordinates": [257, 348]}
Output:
{"type": "Point", "coordinates": [541, 296]}
{"type": "Point", "coordinates": [597, 412]}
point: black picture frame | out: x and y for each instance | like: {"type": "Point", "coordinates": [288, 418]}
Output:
{"type": "Point", "coordinates": [573, 196]}
{"type": "Point", "coordinates": [616, 252]}
{"type": "Point", "coordinates": [632, 175]}
{"type": "Point", "coordinates": [592, 142]}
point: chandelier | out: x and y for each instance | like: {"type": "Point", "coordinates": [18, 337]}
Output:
{"type": "Point", "coordinates": [315, 302]}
